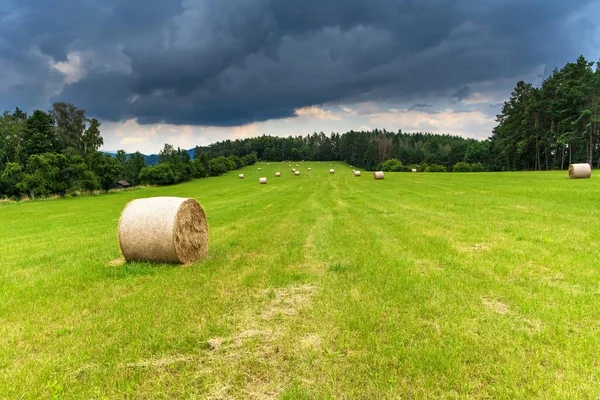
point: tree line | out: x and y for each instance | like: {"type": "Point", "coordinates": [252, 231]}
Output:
{"type": "Point", "coordinates": [365, 149]}
{"type": "Point", "coordinates": [57, 153]}
{"type": "Point", "coordinates": [551, 126]}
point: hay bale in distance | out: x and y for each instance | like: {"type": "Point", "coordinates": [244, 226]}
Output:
{"type": "Point", "coordinates": [310, 169]}
{"type": "Point", "coordinates": [414, 170]}
{"type": "Point", "coordinates": [580, 171]}
{"type": "Point", "coordinates": [356, 173]}
{"type": "Point", "coordinates": [163, 229]}
{"type": "Point", "coordinates": [296, 173]}
{"type": "Point", "coordinates": [378, 175]}
{"type": "Point", "coordinates": [259, 168]}
{"type": "Point", "coordinates": [262, 181]}
{"type": "Point", "coordinates": [241, 176]}
{"type": "Point", "coordinates": [332, 171]}
{"type": "Point", "coordinates": [278, 174]}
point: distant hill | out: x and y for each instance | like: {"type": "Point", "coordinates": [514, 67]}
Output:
{"type": "Point", "coordinates": [151, 159]}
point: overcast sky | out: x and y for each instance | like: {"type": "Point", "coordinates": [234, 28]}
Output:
{"type": "Point", "coordinates": [198, 71]}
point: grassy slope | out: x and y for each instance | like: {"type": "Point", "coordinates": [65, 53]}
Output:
{"type": "Point", "coordinates": [420, 285]}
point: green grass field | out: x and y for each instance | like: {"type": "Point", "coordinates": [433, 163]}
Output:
{"type": "Point", "coordinates": [316, 286]}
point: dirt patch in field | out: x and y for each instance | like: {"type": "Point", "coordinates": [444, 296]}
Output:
{"type": "Point", "coordinates": [496, 306]}
{"type": "Point", "coordinates": [117, 262]}
{"type": "Point", "coordinates": [289, 300]}
{"type": "Point", "coordinates": [474, 248]}
{"type": "Point", "coordinates": [159, 362]}
{"type": "Point", "coordinates": [311, 342]}
{"type": "Point", "coordinates": [533, 325]}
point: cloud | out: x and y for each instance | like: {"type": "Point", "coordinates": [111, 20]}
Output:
{"type": "Point", "coordinates": [238, 62]}
{"type": "Point", "coordinates": [462, 93]}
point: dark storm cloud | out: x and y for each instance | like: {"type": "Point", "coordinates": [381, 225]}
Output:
{"type": "Point", "coordinates": [462, 93]}
{"type": "Point", "coordinates": [237, 61]}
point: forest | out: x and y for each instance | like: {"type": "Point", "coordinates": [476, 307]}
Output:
{"type": "Point", "coordinates": [539, 128]}
{"type": "Point", "coordinates": [551, 126]}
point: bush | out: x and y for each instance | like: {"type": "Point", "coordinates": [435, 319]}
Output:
{"type": "Point", "coordinates": [161, 174]}
{"type": "Point", "coordinates": [461, 167]}
{"type": "Point", "coordinates": [394, 165]}
{"type": "Point", "coordinates": [218, 166]}
{"type": "Point", "coordinates": [477, 167]}
{"type": "Point", "coordinates": [436, 168]}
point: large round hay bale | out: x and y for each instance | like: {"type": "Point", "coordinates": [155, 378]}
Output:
{"type": "Point", "coordinates": [296, 173]}
{"type": "Point", "coordinates": [332, 171]}
{"type": "Point", "coordinates": [241, 176]}
{"type": "Point", "coordinates": [310, 169]}
{"type": "Point", "coordinates": [580, 171]}
{"type": "Point", "coordinates": [277, 174]}
{"type": "Point", "coordinates": [163, 229]}
{"type": "Point", "coordinates": [356, 173]}
{"type": "Point", "coordinates": [378, 175]}
{"type": "Point", "coordinates": [262, 181]}
{"type": "Point", "coordinates": [414, 170]}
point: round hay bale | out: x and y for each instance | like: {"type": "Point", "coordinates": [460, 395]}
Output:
{"type": "Point", "coordinates": [331, 165]}
{"type": "Point", "coordinates": [268, 164]}
{"type": "Point", "coordinates": [580, 171]}
{"type": "Point", "coordinates": [259, 168]}
{"type": "Point", "coordinates": [378, 175]}
{"type": "Point", "coordinates": [241, 176]}
{"type": "Point", "coordinates": [262, 181]}
{"type": "Point", "coordinates": [414, 170]}
{"type": "Point", "coordinates": [318, 162]}
{"type": "Point", "coordinates": [296, 173]}
{"type": "Point", "coordinates": [277, 174]}
{"type": "Point", "coordinates": [356, 173]}
{"type": "Point", "coordinates": [289, 165]}
{"type": "Point", "coordinates": [293, 169]}
{"type": "Point", "coordinates": [163, 229]}
{"type": "Point", "coordinates": [332, 171]}
{"type": "Point", "coordinates": [310, 169]}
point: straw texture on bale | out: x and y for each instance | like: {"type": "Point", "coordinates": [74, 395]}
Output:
{"type": "Point", "coordinates": [296, 172]}
{"type": "Point", "coordinates": [356, 173]}
{"type": "Point", "coordinates": [580, 171]}
{"type": "Point", "coordinates": [263, 181]}
{"type": "Point", "coordinates": [278, 174]}
{"type": "Point", "coordinates": [331, 171]}
{"type": "Point", "coordinates": [378, 175]}
{"type": "Point", "coordinates": [414, 170]}
{"type": "Point", "coordinates": [163, 229]}
{"type": "Point", "coordinates": [241, 176]}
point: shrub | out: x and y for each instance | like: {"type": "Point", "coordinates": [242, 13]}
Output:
{"type": "Point", "coordinates": [436, 168]}
{"type": "Point", "coordinates": [478, 167]}
{"type": "Point", "coordinates": [461, 167]}
{"type": "Point", "coordinates": [161, 174]}
{"type": "Point", "coordinates": [393, 165]}
{"type": "Point", "coordinates": [217, 166]}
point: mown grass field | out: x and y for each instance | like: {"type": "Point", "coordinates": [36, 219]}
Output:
{"type": "Point", "coordinates": [316, 286]}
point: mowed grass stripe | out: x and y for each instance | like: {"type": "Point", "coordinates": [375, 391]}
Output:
{"type": "Point", "coordinates": [318, 285]}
